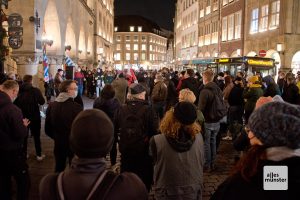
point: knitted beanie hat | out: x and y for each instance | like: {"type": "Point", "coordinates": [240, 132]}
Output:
{"type": "Point", "coordinates": [136, 88]}
{"type": "Point", "coordinates": [92, 134]}
{"type": "Point", "coordinates": [277, 124]}
{"type": "Point", "coordinates": [185, 112]}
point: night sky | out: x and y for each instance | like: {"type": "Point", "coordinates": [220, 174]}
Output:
{"type": "Point", "coordinates": [159, 11]}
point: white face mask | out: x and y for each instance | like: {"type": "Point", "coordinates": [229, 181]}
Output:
{"type": "Point", "coordinates": [76, 93]}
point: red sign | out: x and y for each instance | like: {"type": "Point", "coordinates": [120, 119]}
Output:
{"type": "Point", "coordinates": [262, 53]}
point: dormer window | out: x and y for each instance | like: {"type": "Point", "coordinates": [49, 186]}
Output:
{"type": "Point", "coordinates": [140, 29]}
{"type": "Point", "coordinates": [131, 28]}
{"type": "Point", "coordinates": [116, 28]}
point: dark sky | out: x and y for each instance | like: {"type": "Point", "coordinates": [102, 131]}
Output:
{"type": "Point", "coordinates": [159, 11]}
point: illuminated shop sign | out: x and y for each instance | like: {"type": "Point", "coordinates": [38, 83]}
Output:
{"type": "Point", "coordinates": [268, 63]}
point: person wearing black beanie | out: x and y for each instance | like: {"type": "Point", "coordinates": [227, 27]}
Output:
{"type": "Point", "coordinates": [91, 139]}
{"type": "Point", "coordinates": [178, 155]}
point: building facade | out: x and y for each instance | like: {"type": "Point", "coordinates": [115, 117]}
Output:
{"type": "Point", "coordinates": [85, 27]}
{"type": "Point", "coordinates": [138, 42]}
{"type": "Point", "coordinates": [232, 28]}
{"type": "Point", "coordinates": [273, 26]}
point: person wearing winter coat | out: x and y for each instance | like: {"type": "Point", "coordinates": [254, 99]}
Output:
{"type": "Point", "coordinates": [91, 138]}
{"type": "Point", "coordinates": [120, 85]}
{"type": "Point", "coordinates": [159, 95]}
{"type": "Point", "coordinates": [13, 132]}
{"type": "Point", "coordinates": [59, 118]}
{"type": "Point", "coordinates": [108, 103]}
{"type": "Point", "coordinates": [251, 94]}
{"type": "Point", "coordinates": [178, 155]}
{"type": "Point", "coordinates": [291, 91]}
{"type": "Point", "coordinates": [29, 100]}
{"type": "Point", "coordinates": [275, 141]}
{"type": "Point", "coordinates": [191, 83]}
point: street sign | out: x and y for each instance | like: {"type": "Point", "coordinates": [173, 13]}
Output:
{"type": "Point", "coordinates": [262, 53]}
{"type": "Point", "coordinates": [15, 20]}
{"type": "Point", "coordinates": [15, 31]}
{"type": "Point", "coordinates": [15, 42]}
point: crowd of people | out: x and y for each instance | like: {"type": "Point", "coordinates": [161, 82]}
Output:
{"type": "Point", "coordinates": [167, 126]}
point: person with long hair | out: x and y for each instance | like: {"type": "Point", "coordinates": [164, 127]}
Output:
{"type": "Point", "coordinates": [274, 134]}
{"type": "Point", "coordinates": [178, 155]}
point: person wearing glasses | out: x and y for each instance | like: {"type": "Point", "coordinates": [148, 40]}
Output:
{"type": "Point", "coordinates": [59, 117]}
{"type": "Point", "coordinates": [274, 135]}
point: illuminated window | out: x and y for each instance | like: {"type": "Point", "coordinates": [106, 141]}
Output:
{"type": "Point", "coordinates": [238, 25]}
{"type": "Point", "coordinates": [135, 47]}
{"type": "Point", "coordinates": [127, 47]}
{"type": "Point", "coordinates": [136, 56]}
{"type": "Point", "coordinates": [254, 21]}
{"type": "Point", "coordinates": [143, 56]}
{"type": "Point", "coordinates": [116, 29]}
{"type": "Point", "coordinates": [224, 29]}
{"type": "Point", "coordinates": [127, 38]}
{"type": "Point", "coordinates": [230, 27]}
{"type": "Point", "coordinates": [131, 28]}
{"type": "Point", "coordinates": [127, 56]}
{"type": "Point", "coordinates": [135, 38]}
{"type": "Point", "coordinates": [225, 2]}
{"type": "Point", "coordinates": [275, 14]}
{"type": "Point", "coordinates": [117, 56]}
{"type": "Point", "coordinates": [118, 38]}
{"type": "Point", "coordinates": [144, 38]}
{"type": "Point", "coordinates": [140, 29]}
{"type": "Point", "coordinates": [144, 47]}
{"type": "Point", "coordinates": [264, 18]}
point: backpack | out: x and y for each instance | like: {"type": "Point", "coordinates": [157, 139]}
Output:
{"type": "Point", "coordinates": [99, 190]}
{"type": "Point", "coordinates": [218, 106]}
{"type": "Point", "coordinates": [132, 134]}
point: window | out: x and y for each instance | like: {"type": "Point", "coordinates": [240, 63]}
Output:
{"type": "Point", "coordinates": [131, 28]}
{"type": "Point", "coordinates": [201, 9]}
{"type": "Point", "coordinates": [117, 56]}
{"type": "Point", "coordinates": [275, 14]}
{"type": "Point", "coordinates": [144, 47]}
{"type": "Point", "coordinates": [230, 27]}
{"type": "Point", "coordinates": [264, 18]}
{"type": "Point", "coordinates": [231, 1]}
{"type": "Point", "coordinates": [118, 47]}
{"type": "Point", "coordinates": [225, 2]}
{"type": "Point", "coordinates": [151, 56]}
{"type": "Point", "coordinates": [144, 38]}
{"type": "Point", "coordinates": [140, 29]}
{"type": "Point", "coordinates": [254, 21]}
{"type": "Point", "coordinates": [207, 35]}
{"type": "Point", "coordinates": [127, 38]}
{"type": "Point", "coordinates": [224, 29]}
{"type": "Point", "coordinates": [214, 38]}
{"type": "Point", "coordinates": [238, 25]}
{"type": "Point", "coordinates": [135, 47]}
{"type": "Point", "coordinates": [135, 38]}
{"type": "Point", "coordinates": [201, 37]}
{"type": "Point", "coordinates": [136, 56]}
{"type": "Point", "coordinates": [118, 38]}
{"type": "Point", "coordinates": [215, 5]}
{"type": "Point", "coordinates": [127, 47]}
{"type": "Point", "coordinates": [143, 56]}
{"type": "Point", "coordinates": [127, 56]}
{"type": "Point", "coordinates": [208, 7]}
{"type": "Point", "coordinates": [150, 47]}
{"type": "Point", "coordinates": [116, 29]}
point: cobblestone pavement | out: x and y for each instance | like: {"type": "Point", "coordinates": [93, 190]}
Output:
{"type": "Point", "coordinates": [38, 169]}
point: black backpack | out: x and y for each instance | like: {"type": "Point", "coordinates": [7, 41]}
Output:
{"type": "Point", "coordinates": [218, 107]}
{"type": "Point", "coordinates": [133, 137]}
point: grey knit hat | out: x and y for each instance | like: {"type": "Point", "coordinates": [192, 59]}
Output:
{"type": "Point", "coordinates": [92, 134]}
{"type": "Point", "coordinates": [277, 124]}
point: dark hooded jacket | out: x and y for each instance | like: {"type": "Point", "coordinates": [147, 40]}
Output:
{"type": "Point", "coordinates": [28, 101]}
{"type": "Point", "coordinates": [178, 166]}
{"type": "Point", "coordinates": [79, 180]}
{"type": "Point", "coordinates": [12, 130]}
{"type": "Point", "coordinates": [109, 106]}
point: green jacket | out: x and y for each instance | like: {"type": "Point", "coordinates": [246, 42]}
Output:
{"type": "Point", "coordinates": [251, 95]}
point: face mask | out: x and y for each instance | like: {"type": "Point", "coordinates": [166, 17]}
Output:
{"type": "Point", "coordinates": [75, 95]}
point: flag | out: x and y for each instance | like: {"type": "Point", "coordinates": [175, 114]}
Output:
{"type": "Point", "coordinates": [69, 61]}
{"type": "Point", "coordinates": [45, 65]}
